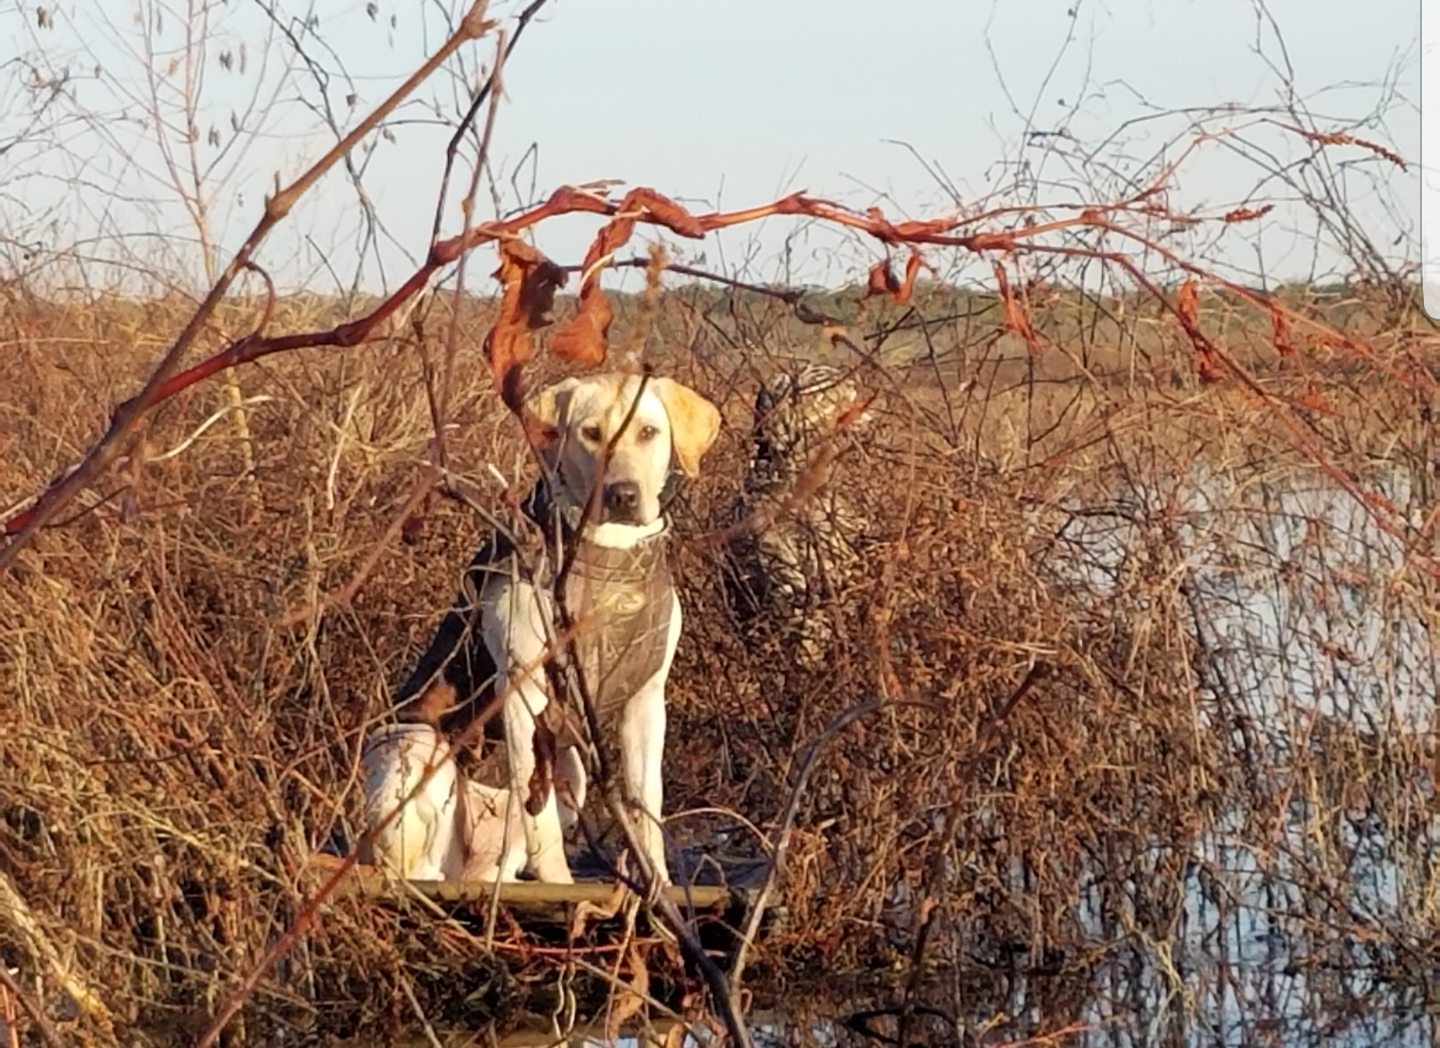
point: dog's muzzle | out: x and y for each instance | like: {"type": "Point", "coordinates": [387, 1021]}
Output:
{"type": "Point", "coordinates": [621, 501]}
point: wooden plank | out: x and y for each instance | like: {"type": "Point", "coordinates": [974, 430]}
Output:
{"type": "Point", "coordinates": [521, 895]}
{"type": "Point", "coordinates": [524, 898]}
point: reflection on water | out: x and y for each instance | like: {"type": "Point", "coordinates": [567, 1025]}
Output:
{"type": "Point", "coordinates": [1123, 1005]}
{"type": "Point", "coordinates": [1312, 643]}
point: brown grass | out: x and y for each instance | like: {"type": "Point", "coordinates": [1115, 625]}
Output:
{"type": "Point", "coordinates": [173, 753]}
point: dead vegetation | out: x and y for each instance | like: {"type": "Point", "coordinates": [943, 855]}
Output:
{"type": "Point", "coordinates": [1076, 753]}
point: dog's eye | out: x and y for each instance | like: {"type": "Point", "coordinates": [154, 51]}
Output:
{"type": "Point", "coordinates": [591, 433]}
{"type": "Point", "coordinates": [648, 432]}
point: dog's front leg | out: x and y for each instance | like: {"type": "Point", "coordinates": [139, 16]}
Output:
{"type": "Point", "coordinates": [642, 752]}
{"type": "Point", "coordinates": [515, 633]}
{"type": "Point", "coordinates": [544, 834]}
{"type": "Point", "coordinates": [642, 746]}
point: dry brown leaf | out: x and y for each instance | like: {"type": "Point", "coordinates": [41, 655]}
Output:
{"type": "Point", "coordinates": [586, 911]}
{"type": "Point", "coordinates": [918, 229]}
{"type": "Point", "coordinates": [881, 280]}
{"type": "Point", "coordinates": [1246, 214]}
{"type": "Point", "coordinates": [628, 1002]}
{"type": "Point", "coordinates": [1284, 344]}
{"type": "Point", "coordinates": [1312, 399]}
{"type": "Point", "coordinates": [638, 203]}
{"type": "Point", "coordinates": [585, 339]}
{"type": "Point", "coordinates": [1208, 366]}
{"type": "Point", "coordinates": [1187, 308]}
{"type": "Point", "coordinates": [568, 198]}
{"type": "Point", "coordinates": [1015, 318]}
{"type": "Point", "coordinates": [1003, 240]}
{"type": "Point", "coordinates": [924, 228]}
{"type": "Point", "coordinates": [529, 281]}
{"type": "Point", "coordinates": [1341, 138]}
{"type": "Point", "coordinates": [663, 211]}
{"type": "Point", "coordinates": [1187, 304]}
{"type": "Point", "coordinates": [913, 265]}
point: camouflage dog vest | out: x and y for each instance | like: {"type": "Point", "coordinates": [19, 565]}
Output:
{"type": "Point", "coordinates": [618, 603]}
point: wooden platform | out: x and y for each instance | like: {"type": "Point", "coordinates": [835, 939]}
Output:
{"type": "Point", "coordinates": [539, 926]}
{"type": "Point", "coordinates": [531, 902]}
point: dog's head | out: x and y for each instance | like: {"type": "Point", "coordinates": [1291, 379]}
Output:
{"type": "Point", "coordinates": [610, 436]}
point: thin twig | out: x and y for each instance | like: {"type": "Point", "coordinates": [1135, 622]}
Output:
{"type": "Point", "coordinates": [346, 593]}
{"type": "Point", "coordinates": [16, 914]}
{"type": "Point", "coordinates": [425, 1026]}
{"type": "Point", "coordinates": [33, 1010]}
{"type": "Point", "coordinates": [933, 888]}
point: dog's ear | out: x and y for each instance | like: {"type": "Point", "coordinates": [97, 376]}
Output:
{"type": "Point", "coordinates": [544, 411]}
{"type": "Point", "coordinates": [694, 422]}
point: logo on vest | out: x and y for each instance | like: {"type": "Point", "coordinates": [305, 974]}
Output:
{"type": "Point", "coordinates": [623, 602]}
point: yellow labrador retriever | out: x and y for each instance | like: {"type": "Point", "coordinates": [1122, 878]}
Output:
{"type": "Point", "coordinates": [609, 443]}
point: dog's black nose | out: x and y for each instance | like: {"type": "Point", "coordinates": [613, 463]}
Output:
{"type": "Point", "coordinates": [622, 499]}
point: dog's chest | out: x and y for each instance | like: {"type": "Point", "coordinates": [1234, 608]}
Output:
{"type": "Point", "coordinates": [620, 602]}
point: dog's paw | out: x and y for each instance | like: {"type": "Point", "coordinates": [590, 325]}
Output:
{"type": "Point", "coordinates": [426, 871]}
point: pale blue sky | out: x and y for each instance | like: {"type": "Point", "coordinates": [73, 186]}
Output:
{"type": "Point", "coordinates": [719, 104]}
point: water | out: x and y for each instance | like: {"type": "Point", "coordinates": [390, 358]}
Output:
{"type": "Point", "coordinates": [1312, 634]}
